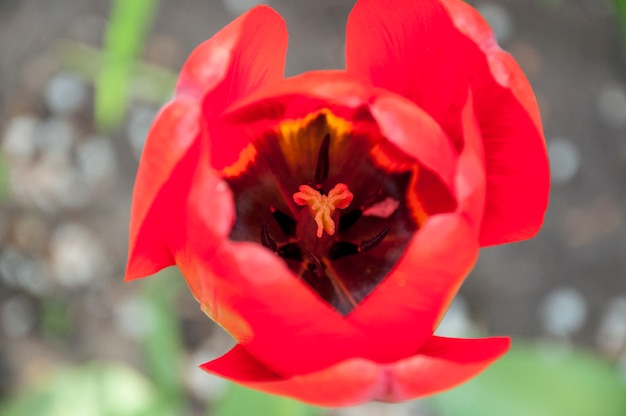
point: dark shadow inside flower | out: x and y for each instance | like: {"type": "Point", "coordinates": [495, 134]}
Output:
{"type": "Point", "coordinates": [334, 199]}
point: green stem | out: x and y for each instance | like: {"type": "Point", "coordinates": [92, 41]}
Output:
{"type": "Point", "coordinates": [124, 39]}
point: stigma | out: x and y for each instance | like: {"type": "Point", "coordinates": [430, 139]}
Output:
{"type": "Point", "coordinates": [322, 207]}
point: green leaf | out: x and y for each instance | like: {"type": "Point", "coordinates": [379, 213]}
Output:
{"type": "Point", "coordinates": [124, 39]}
{"type": "Point", "coordinates": [240, 400]}
{"type": "Point", "coordinates": [546, 380]}
{"type": "Point", "coordinates": [95, 389]}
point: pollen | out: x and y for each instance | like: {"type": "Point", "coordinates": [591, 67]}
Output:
{"type": "Point", "coordinates": [322, 207]}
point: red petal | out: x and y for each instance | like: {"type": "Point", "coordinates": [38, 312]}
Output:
{"type": "Point", "coordinates": [430, 51]}
{"type": "Point", "coordinates": [246, 55]}
{"type": "Point", "coordinates": [517, 164]}
{"type": "Point", "coordinates": [251, 293]}
{"type": "Point", "coordinates": [166, 160]}
{"type": "Point", "coordinates": [443, 363]}
{"type": "Point", "coordinates": [299, 95]}
{"type": "Point", "coordinates": [401, 122]}
{"type": "Point", "coordinates": [419, 289]}
{"type": "Point", "coordinates": [247, 289]}
{"type": "Point", "coordinates": [259, 288]}
{"type": "Point", "coordinates": [398, 119]}
{"type": "Point", "coordinates": [242, 57]}
{"type": "Point", "coordinates": [410, 47]}
{"type": "Point", "coordinates": [470, 175]}
{"type": "Point", "coordinates": [348, 383]}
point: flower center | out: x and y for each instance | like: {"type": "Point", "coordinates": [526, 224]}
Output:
{"type": "Point", "coordinates": [323, 207]}
{"type": "Point", "coordinates": [333, 199]}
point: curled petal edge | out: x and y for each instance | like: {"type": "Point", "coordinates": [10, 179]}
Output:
{"type": "Point", "coordinates": [401, 122]}
{"type": "Point", "coordinates": [441, 364]}
{"type": "Point", "coordinates": [245, 55]}
{"type": "Point", "coordinates": [505, 70]}
{"type": "Point", "coordinates": [470, 180]}
{"type": "Point", "coordinates": [516, 156]}
{"type": "Point", "coordinates": [169, 143]}
{"type": "Point", "coordinates": [430, 52]}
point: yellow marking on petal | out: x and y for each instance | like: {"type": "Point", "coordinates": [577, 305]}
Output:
{"type": "Point", "coordinates": [246, 157]}
{"type": "Point", "coordinates": [292, 129]}
{"type": "Point", "coordinates": [322, 207]}
{"type": "Point", "coordinates": [413, 201]}
{"type": "Point", "coordinates": [300, 138]}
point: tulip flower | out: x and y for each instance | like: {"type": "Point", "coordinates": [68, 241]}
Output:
{"type": "Point", "coordinates": [327, 220]}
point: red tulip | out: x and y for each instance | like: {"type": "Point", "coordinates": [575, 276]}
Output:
{"type": "Point", "coordinates": [327, 220]}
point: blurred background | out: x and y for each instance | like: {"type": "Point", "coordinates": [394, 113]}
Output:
{"type": "Point", "coordinates": [76, 340]}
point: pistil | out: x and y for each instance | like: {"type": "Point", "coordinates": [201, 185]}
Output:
{"type": "Point", "coordinates": [322, 207]}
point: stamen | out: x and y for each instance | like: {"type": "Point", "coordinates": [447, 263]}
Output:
{"type": "Point", "coordinates": [341, 249]}
{"type": "Point", "coordinates": [349, 219]}
{"type": "Point", "coordinates": [290, 251]}
{"type": "Point", "coordinates": [286, 223]}
{"type": "Point", "coordinates": [266, 238]}
{"type": "Point", "coordinates": [370, 243]}
{"type": "Point", "coordinates": [323, 206]}
{"type": "Point", "coordinates": [322, 167]}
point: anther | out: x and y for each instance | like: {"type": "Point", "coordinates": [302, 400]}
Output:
{"type": "Point", "coordinates": [341, 249]}
{"type": "Point", "coordinates": [322, 207]}
{"type": "Point", "coordinates": [290, 251]}
{"type": "Point", "coordinates": [349, 219]}
{"type": "Point", "coordinates": [286, 223]}
{"type": "Point", "coordinates": [370, 243]}
{"type": "Point", "coordinates": [266, 238]}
